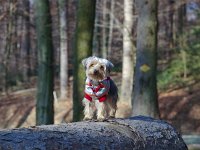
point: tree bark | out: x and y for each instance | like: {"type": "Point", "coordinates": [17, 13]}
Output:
{"type": "Point", "coordinates": [26, 41]}
{"type": "Point", "coordinates": [44, 105]}
{"type": "Point", "coordinates": [123, 134]}
{"type": "Point", "coordinates": [171, 23]}
{"type": "Point", "coordinates": [128, 54]}
{"type": "Point", "coordinates": [82, 49]}
{"type": "Point", "coordinates": [181, 35]}
{"type": "Point", "coordinates": [111, 26]}
{"type": "Point", "coordinates": [105, 30]}
{"type": "Point", "coordinates": [63, 49]}
{"type": "Point", "coordinates": [97, 41]}
{"type": "Point", "coordinates": [9, 44]}
{"type": "Point", "coordinates": [145, 88]}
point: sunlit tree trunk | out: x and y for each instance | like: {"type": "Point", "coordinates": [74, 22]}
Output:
{"type": "Point", "coordinates": [111, 24]}
{"type": "Point", "coordinates": [82, 49]}
{"type": "Point", "coordinates": [105, 29]}
{"type": "Point", "coordinates": [97, 37]}
{"type": "Point", "coordinates": [145, 88]}
{"type": "Point", "coordinates": [128, 54]}
{"type": "Point", "coordinates": [63, 49]}
{"type": "Point", "coordinates": [44, 105]}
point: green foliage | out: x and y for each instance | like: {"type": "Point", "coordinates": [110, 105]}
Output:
{"type": "Point", "coordinates": [172, 75]}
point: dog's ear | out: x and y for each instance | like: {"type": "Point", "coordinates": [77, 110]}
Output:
{"type": "Point", "coordinates": [109, 65]}
{"type": "Point", "coordinates": [84, 62]}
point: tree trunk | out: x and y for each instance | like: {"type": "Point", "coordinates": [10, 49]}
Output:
{"type": "Point", "coordinates": [104, 30]}
{"type": "Point", "coordinates": [128, 54]}
{"type": "Point", "coordinates": [145, 89]}
{"type": "Point", "coordinates": [26, 41]}
{"type": "Point", "coordinates": [111, 26]}
{"type": "Point", "coordinates": [44, 106]}
{"type": "Point", "coordinates": [8, 46]}
{"type": "Point", "coordinates": [82, 49]}
{"type": "Point", "coordinates": [63, 49]}
{"type": "Point", "coordinates": [121, 134]}
{"type": "Point", "coordinates": [181, 37]}
{"type": "Point", "coordinates": [171, 23]}
{"type": "Point", "coordinates": [97, 42]}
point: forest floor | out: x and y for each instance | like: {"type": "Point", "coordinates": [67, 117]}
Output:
{"type": "Point", "coordinates": [180, 107]}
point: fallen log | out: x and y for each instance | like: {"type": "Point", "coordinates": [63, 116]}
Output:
{"type": "Point", "coordinates": [136, 133]}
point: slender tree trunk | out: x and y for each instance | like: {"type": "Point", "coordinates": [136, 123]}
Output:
{"type": "Point", "coordinates": [63, 49]}
{"type": "Point", "coordinates": [145, 89]}
{"type": "Point", "coordinates": [128, 54]}
{"type": "Point", "coordinates": [97, 37]}
{"type": "Point", "coordinates": [175, 23]}
{"type": "Point", "coordinates": [110, 37]}
{"type": "Point", "coordinates": [17, 52]}
{"type": "Point", "coordinates": [105, 20]}
{"type": "Point", "coordinates": [8, 46]}
{"type": "Point", "coordinates": [26, 41]}
{"type": "Point", "coordinates": [181, 23]}
{"type": "Point", "coordinates": [171, 24]}
{"type": "Point", "coordinates": [15, 49]}
{"type": "Point", "coordinates": [44, 106]}
{"type": "Point", "coordinates": [82, 49]}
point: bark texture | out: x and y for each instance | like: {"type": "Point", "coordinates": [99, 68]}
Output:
{"type": "Point", "coordinates": [44, 106]}
{"type": "Point", "coordinates": [63, 49]}
{"type": "Point", "coordinates": [145, 87]}
{"type": "Point", "coordinates": [82, 49]}
{"type": "Point", "coordinates": [136, 133]}
{"type": "Point", "coordinates": [128, 54]}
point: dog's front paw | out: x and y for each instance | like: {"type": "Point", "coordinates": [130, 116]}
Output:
{"type": "Point", "coordinates": [101, 119]}
{"type": "Point", "coordinates": [87, 118]}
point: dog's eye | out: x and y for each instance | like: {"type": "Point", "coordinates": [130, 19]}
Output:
{"type": "Point", "coordinates": [102, 67]}
{"type": "Point", "coordinates": [92, 65]}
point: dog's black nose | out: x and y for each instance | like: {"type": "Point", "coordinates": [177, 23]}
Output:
{"type": "Point", "coordinates": [95, 71]}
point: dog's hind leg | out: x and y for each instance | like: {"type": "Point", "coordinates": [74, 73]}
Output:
{"type": "Point", "coordinates": [112, 106]}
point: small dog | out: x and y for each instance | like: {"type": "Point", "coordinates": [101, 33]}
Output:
{"type": "Point", "coordinates": [101, 93]}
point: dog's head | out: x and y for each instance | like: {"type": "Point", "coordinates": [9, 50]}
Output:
{"type": "Point", "coordinates": [97, 68]}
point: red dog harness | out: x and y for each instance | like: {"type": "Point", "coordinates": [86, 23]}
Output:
{"type": "Point", "coordinates": [100, 91]}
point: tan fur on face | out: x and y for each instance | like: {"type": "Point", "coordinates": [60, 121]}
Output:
{"type": "Point", "coordinates": [96, 71]}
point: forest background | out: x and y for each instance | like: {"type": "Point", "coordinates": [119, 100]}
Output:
{"type": "Point", "coordinates": [178, 57]}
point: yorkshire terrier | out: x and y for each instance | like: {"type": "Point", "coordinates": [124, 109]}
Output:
{"type": "Point", "coordinates": [101, 93]}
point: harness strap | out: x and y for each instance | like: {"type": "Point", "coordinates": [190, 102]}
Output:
{"type": "Point", "coordinates": [102, 98]}
{"type": "Point", "coordinates": [88, 97]}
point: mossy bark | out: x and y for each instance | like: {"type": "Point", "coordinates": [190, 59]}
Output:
{"type": "Point", "coordinates": [82, 49]}
{"type": "Point", "coordinates": [44, 106]}
{"type": "Point", "coordinates": [145, 88]}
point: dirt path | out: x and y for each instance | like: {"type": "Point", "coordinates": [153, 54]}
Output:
{"type": "Point", "coordinates": [18, 110]}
